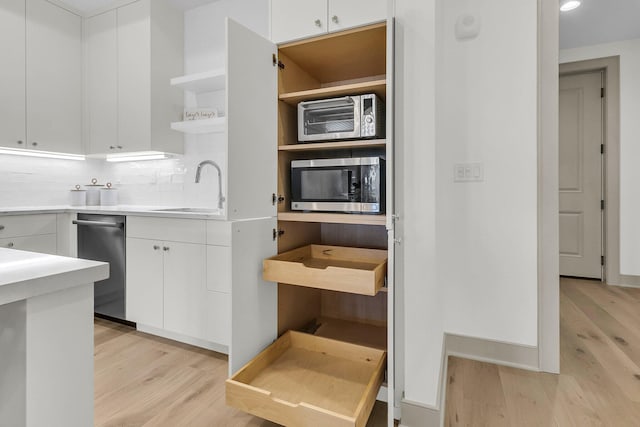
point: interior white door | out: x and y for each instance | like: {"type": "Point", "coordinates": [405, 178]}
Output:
{"type": "Point", "coordinates": [580, 159]}
{"type": "Point", "coordinates": [252, 124]}
{"type": "Point", "coordinates": [352, 13]}
{"type": "Point", "coordinates": [295, 19]}
{"type": "Point", "coordinates": [101, 62]}
{"type": "Point", "coordinates": [54, 78]}
{"type": "Point", "coordinates": [12, 74]}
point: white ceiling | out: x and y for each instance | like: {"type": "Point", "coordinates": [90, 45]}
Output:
{"type": "Point", "coordinates": [600, 21]}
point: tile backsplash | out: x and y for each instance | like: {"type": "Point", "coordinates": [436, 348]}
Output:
{"type": "Point", "coordinates": [32, 181]}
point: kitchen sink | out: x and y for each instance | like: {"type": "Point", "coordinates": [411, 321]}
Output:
{"type": "Point", "coordinates": [190, 210]}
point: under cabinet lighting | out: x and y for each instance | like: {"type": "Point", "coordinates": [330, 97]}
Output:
{"type": "Point", "coordinates": [45, 154]}
{"type": "Point", "coordinates": [136, 157]}
{"type": "Point", "coordinates": [568, 5]}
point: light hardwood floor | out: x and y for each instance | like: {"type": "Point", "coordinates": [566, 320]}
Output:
{"type": "Point", "coordinates": [599, 381]}
{"type": "Point", "coordinates": [141, 380]}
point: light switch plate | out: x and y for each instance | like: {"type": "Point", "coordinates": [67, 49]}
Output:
{"type": "Point", "coordinates": [468, 172]}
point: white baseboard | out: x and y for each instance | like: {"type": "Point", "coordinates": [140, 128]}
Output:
{"type": "Point", "coordinates": [183, 338]}
{"type": "Point", "coordinates": [500, 353]}
{"type": "Point", "coordinates": [627, 281]}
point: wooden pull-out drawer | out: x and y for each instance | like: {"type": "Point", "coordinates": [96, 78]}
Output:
{"type": "Point", "coordinates": [305, 380]}
{"type": "Point", "coordinates": [335, 268]}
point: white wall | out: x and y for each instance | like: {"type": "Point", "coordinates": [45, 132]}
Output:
{"type": "Point", "coordinates": [629, 52]}
{"type": "Point", "coordinates": [415, 195]}
{"type": "Point", "coordinates": [487, 112]}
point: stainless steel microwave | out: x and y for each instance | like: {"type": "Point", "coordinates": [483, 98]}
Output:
{"type": "Point", "coordinates": [349, 117]}
{"type": "Point", "coordinates": [353, 185]}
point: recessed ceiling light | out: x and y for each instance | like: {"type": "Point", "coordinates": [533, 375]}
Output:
{"type": "Point", "coordinates": [568, 5]}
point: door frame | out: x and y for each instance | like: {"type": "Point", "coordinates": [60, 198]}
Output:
{"type": "Point", "coordinates": [548, 197]}
{"type": "Point", "coordinates": [610, 66]}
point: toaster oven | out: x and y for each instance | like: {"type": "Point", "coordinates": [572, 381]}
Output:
{"type": "Point", "coordinates": [349, 117]}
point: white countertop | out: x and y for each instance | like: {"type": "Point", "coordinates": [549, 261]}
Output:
{"type": "Point", "coordinates": [27, 274]}
{"type": "Point", "coordinates": [114, 210]}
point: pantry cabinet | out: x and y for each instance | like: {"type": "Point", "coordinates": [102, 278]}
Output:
{"type": "Point", "coordinates": [334, 271]}
{"type": "Point", "coordinates": [53, 78]}
{"type": "Point", "coordinates": [294, 19]}
{"type": "Point", "coordinates": [131, 53]}
{"type": "Point", "coordinates": [12, 74]}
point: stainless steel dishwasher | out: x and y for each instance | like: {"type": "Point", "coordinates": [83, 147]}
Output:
{"type": "Point", "coordinates": [102, 238]}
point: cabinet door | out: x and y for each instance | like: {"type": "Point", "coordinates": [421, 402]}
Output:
{"type": "Point", "coordinates": [101, 64]}
{"type": "Point", "coordinates": [297, 19]}
{"type": "Point", "coordinates": [352, 13]}
{"type": "Point", "coordinates": [185, 303]}
{"type": "Point", "coordinates": [217, 318]}
{"type": "Point", "coordinates": [42, 243]}
{"type": "Point", "coordinates": [145, 287]}
{"type": "Point", "coordinates": [12, 74]}
{"type": "Point", "coordinates": [252, 124]}
{"type": "Point", "coordinates": [54, 76]}
{"type": "Point", "coordinates": [134, 78]}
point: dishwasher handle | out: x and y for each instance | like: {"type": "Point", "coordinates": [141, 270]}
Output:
{"type": "Point", "coordinates": [98, 223]}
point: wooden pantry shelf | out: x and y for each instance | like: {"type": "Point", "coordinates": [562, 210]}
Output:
{"type": "Point", "coordinates": [339, 145]}
{"type": "Point", "coordinates": [375, 86]}
{"type": "Point", "coordinates": [334, 268]}
{"type": "Point", "coordinates": [305, 380]}
{"type": "Point", "coordinates": [333, 218]}
{"type": "Point", "coordinates": [352, 332]}
{"type": "Point", "coordinates": [216, 125]}
{"type": "Point", "coordinates": [207, 81]}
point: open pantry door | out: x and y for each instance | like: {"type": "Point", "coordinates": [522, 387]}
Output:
{"type": "Point", "coordinates": [252, 141]}
{"type": "Point", "coordinates": [252, 124]}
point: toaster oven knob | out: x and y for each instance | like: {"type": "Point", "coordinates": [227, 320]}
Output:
{"type": "Point", "coordinates": [369, 119]}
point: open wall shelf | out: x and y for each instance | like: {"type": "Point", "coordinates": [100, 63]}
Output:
{"type": "Point", "coordinates": [216, 125]}
{"type": "Point", "coordinates": [207, 81]}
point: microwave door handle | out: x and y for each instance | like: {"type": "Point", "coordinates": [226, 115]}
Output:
{"type": "Point", "coordinates": [313, 105]}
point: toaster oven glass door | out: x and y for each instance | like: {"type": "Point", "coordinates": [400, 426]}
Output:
{"type": "Point", "coordinates": [330, 119]}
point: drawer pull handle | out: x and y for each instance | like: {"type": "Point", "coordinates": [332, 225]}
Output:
{"type": "Point", "coordinates": [20, 142]}
{"type": "Point", "coordinates": [1, 227]}
{"type": "Point", "coordinates": [156, 247]}
{"type": "Point", "coordinates": [318, 23]}
{"type": "Point", "coordinates": [166, 248]}
{"type": "Point", "coordinates": [335, 19]}
{"type": "Point", "coordinates": [10, 245]}
{"type": "Point", "coordinates": [34, 143]}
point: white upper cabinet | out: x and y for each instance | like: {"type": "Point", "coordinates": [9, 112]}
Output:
{"type": "Point", "coordinates": [53, 78]}
{"type": "Point", "coordinates": [131, 53]}
{"type": "Point", "coordinates": [101, 62]}
{"type": "Point", "coordinates": [12, 74]}
{"type": "Point", "coordinates": [352, 13]}
{"type": "Point", "coordinates": [298, 19]}
{"type": "Point", "coordinates": [295, 19]}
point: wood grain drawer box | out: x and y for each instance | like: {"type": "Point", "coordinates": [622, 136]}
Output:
{"type": "Point", "coordinates": [305, 380]}
{"type": "Point", "coordinates": [335, 268]}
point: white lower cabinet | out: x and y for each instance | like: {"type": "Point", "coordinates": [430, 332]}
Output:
{"type": "Point", "coordinates": [145, 282]}
{"type": "Point", "coordinates": [35, 233]}
{"type": "Point", "coordinates": [181, 288]}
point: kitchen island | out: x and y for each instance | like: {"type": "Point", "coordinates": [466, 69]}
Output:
{"type": "Point", "coordinates": [46, 338]}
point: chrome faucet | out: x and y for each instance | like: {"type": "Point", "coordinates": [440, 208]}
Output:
{"type": "Point", "coordinates": [215, 165]}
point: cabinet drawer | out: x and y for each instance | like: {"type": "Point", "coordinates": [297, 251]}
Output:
{"type": "Point", "coordinates": [44, 243]}
{"type": "Point", "coordinates": [27, 225]}
{"type": "Point", "coordinates": [219, 233]}
{"type": "Point", "coordinates": [334, 268]}
{"type": "Point", "coordinates": [340, 380]}
{"type": "Point", "coordinates": [167, 229]}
